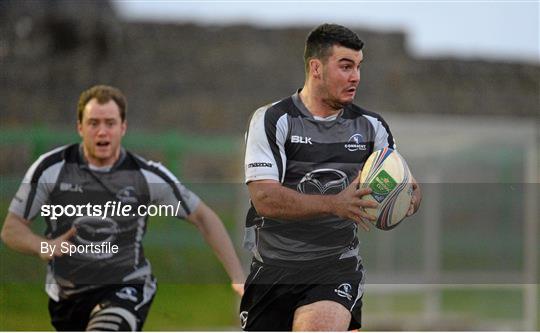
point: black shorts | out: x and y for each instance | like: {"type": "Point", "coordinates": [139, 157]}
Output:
{"type": "Point", "coordinates": [73, 314]}
{"type": "Point", "coordinates": [272, 294]}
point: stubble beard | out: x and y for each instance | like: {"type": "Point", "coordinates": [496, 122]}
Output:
{"type": "Point", "coordinates": [332, 101]}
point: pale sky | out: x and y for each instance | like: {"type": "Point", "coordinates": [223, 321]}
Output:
{"type": "Point", "coordinates": [497, 30]}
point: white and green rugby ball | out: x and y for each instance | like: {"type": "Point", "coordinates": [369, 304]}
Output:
{"type": "Point", "coordinates": [389, 178]}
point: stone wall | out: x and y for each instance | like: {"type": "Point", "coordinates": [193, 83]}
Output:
{"type": "Point", "coordinates": [208, 79]}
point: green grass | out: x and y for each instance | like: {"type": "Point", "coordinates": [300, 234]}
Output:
{"type": "Point", "coordinates": [461, 309]}
{"type": "Point", "coordinates": [500, 304]}
{"type": "Point", "coordinates": [23, 307]}
{"type": "Point", "coordinates": [193, 307]}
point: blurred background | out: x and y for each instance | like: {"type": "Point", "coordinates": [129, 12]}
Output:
{"type": "Point", "coordinates": [458, 82]}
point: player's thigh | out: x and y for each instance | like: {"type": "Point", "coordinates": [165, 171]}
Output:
{"type": "Point", "coordinates": [69, 315]}
{"type": "Point", "coordinates": [265, 305]}
{"type": "Point", "coordinates": [321, 316]}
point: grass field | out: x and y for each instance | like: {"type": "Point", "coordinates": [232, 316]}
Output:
{"type": "Point", "coordinates": [209, 307]}
{"type": "Point", "coordinates": [194, 291]}
{"type": "Point", "coordinates": [23, 307]}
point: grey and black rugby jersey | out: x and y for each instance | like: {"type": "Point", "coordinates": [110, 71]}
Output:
{"type": "Point", "coordinates": [63, 177]}
{"type": "Point", "coordinates": [312, 156]}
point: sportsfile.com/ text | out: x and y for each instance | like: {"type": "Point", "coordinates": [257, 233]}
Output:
{"type": "Point", "coordinates": [109, 209]}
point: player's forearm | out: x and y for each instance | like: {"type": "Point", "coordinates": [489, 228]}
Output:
{"type": "Point", "coordinates": [17, 235]}
{"type": "Point", "coordinates": [220, 242]}
{"type": "Point", "coordinates": [276, 201]}
{"type": "Point", "coordinates": [215, 234]}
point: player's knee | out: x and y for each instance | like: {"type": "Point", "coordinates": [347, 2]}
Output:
{"type": "Point", "coordinates": [112, 319]}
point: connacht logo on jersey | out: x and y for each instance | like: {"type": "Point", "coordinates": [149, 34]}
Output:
{"type": "Point", "coordinates": [128, 293]}
{"type": "Point", "coordinates": [243, 318]}
{"type": "Point", "coordinates": [356, 142]}
{"type": "Point", "coordinates": [127, 195]}
{"type": "Point", "coordinates": [344, 290]}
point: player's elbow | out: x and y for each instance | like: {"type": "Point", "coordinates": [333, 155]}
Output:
{"type": "Point", "coordinates": [266, 198]}
{"type": "Point", "coordinates": [204, 218]}
{"type": "Point", "coordinates": [263, 210]}
{"type": "Point", "coordinates": [263, 204]}
{"type": "Point", "coordinates": [4, 234]}
{"type": "Point", "coordinates": [10, 230]}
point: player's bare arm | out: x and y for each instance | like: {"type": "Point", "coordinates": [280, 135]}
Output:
{"type": "Point", "coordinates": [273, 200]}
{"type": "Point", "coordinates": [17, 235]}
{"type": "Point", "coordinates": [215, 234]}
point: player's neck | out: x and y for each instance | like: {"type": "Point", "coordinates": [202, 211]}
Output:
{"type": "Point", "coordinates": [316, 104]}
{"type": "Point", "coordinates": [99, 162]}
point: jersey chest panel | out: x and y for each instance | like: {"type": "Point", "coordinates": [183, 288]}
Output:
{"type": "Point", "coordinates": [104, 201]}
{"type": "Point", "coordinates": [327, 150]}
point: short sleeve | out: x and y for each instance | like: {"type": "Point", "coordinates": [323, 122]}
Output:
{"type": "Point", "coordinates": [166, 189]}
{"type": "Point", "coordinates": [265, 145]}
{"type": "Point", "coordinates": [37, 185]}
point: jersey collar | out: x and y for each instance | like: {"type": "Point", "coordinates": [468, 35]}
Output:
{"type": "Point", "coordinates": [83, 163]}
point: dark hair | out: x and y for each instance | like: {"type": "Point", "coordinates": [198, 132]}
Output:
{"type": "Point", "coordinates": [103, 94]}
{"type": "Point", "coordinates": [321, 39]}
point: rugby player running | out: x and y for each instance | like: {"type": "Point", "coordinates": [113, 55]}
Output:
{"type": "Point", "coordinates": [100, 290]}
{"type": "Point", "coordinates": [303, 156]}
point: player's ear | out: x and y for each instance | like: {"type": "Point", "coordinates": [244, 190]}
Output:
{"type": "Point", "coordinates": [315, 67]}
{"type": "Point", "coordinates": [124, 127]}
{"type": "Point", "coordinates": [79, 128]}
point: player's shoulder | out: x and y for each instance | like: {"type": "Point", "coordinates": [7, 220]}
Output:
{"type": "Point", "coordinates": [53, 157]}
{"type": "Point", "coordinates": [59, 153]}
{"type": "Point", "coordinates": [355, 111]}
{"type": "Point", "coordinates": [154, 170]}
{"type": "Point", "coordinates": [271, 112]}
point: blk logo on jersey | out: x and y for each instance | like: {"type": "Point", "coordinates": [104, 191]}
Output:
{"type": "Point", "coordinates": [344, 290]}
{"type": "Point", "coordinates": [356, 142]}
{"type": "Point", "coordinates": [71, 187]}
{"type": "Point", "coordinates": [301, 139]}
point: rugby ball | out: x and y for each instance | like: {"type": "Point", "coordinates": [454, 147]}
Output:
{"type": "Point", "coordinates": [389, 178]}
